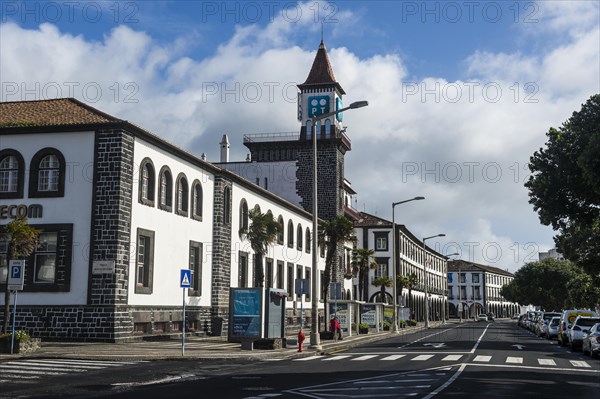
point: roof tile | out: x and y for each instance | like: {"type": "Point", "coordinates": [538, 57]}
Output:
{"type": "Point", "coordinates": [55, 112]}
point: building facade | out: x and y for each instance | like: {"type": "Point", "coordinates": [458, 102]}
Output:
{"type": "Point", "coordinates": [121, 212]}
{"type": "Point", "coordinates": [413, 260]}
{"type": "Point", "coordinates": [474, 288]}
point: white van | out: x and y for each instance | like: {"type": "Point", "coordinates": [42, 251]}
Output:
{"type": "Point", "coordinates": [567, 319]}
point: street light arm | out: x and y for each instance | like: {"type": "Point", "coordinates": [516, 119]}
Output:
{"type": "Point", "coordinates": [354, 105]}
{"type": "Point", "coordinates": [412, 199]}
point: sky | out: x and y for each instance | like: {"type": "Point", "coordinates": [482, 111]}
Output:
{"type": "Point", "coordinates": [461, 93]}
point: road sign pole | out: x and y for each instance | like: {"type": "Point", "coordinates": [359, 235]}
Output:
{"type": "Point", "coordinates": [12, 339]}
{"type": "Point", "coordinates": [183, 326]}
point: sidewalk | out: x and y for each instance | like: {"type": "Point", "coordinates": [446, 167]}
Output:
{"type": "Point", "coordinates": [195, 348]}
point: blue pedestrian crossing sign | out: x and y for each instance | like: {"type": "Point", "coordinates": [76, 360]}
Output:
{"type": "Point", "coordinates": [185, 278]}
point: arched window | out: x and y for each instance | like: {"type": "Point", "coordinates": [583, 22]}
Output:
{"type": "Point", "coordinates": [307, 242]}
{"type": "Point", "coordinates": [280, 234]}
{"type": "Point", "coordinates": [165, 189]}
{"type": "Point", "coordinates": [183, 193]}
{"type": "Point", "coordinates": [196, 200]}
{"type": "Point", "coordinates": [243, 216]}
{"type": "Point", "coordinates": [226, 205]}
{"type": "Point", "coordinates": [327, 128]}
{"type": "Point", "coordinates": [12, 171]}
{"type": "Point", "coordinates": [308, 129]}
{"type": "Point", "coordinates": [299, 236]}
{"type": "Point", "coordinates": [47, 175]}
{"type": "Point", "coordinates": [290, 239]}
{"type": "Point", "coordinates": [147, 182]}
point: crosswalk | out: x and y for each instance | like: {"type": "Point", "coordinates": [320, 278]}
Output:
{"type": "Point", "coordinates": [32, 369]}
{"type": "Point", "coordinates": [510, 360]}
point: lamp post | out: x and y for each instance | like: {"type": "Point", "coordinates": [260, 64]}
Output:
{"type": "Point", "coordinates": [315, 341]}
{"type": "Point", "coordinates": [394, 267]}
{"type": "Point", "coordinates": [425, 277]}
{"type": "Point", "coordinates": [448, 302]}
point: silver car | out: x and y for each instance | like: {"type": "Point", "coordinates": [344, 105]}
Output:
{"type": "Point", "coordinates": [552, 328]}
{"type": "Point", "coordinates": [580, 326]}
{"type": "Point", "coordinates": [591, 341]}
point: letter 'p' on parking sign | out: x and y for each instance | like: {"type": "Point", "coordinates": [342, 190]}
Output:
{"type": "Point", "coordinates": [16, 274]}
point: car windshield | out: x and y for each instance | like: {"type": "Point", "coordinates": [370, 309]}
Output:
{"type": "Point", "coordinates": [585, 322]}
{"type": "Point", "coordinates": [555, 321]}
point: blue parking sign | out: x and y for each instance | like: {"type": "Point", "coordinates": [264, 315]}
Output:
{"type": "Point", "coordinates": [16, 274]}
{"type": "Point", "coordinates": [185, 278]}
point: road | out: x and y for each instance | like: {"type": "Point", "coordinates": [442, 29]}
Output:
{"type": "Point", "coordinates": [495, 360]}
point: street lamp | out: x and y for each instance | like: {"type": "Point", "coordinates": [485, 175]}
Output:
{"type": "Point", "coordinates": [315, 340]}
{"type": "Point", "coordinates": [448, 302]}
{"type": "Point", "coordinates": [394, 267]}
{"type": "Point", "coordinates": [425, 277]}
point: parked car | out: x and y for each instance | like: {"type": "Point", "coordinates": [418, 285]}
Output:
{"type": "Point", "coordinates": [541, 327]}
{"type": "Point", "coordinates": [482, 317]}
{"type": "Point", "coordinates": [580, 326]}
{"type": "Point", "coordinates": [490, 316]}
{"type": "Point", "coordinates": [566, 320]}
{"type": "Point", "coordinates": [552, 328]}
{"type": "Point", "coordinates": [591, 341]}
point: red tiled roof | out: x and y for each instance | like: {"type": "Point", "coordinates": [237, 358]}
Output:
{"type": "Point", "coordinates": [55, 112]}
{"type": "Point", "coordinates": [321, 71]}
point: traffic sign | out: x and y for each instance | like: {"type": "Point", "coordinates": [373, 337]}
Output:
{"type": "Point", "coordinates": [16, 274]}
{"type": "Point", "coordinates": [185, 278]}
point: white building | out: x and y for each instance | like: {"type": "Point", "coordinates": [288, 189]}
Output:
{"type": "Point", "coordinates": [412, 258]}
{"type": "Point", "coordinates": [475, 288]}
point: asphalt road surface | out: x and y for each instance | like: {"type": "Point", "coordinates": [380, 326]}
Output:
{"type": "Point", "coordinates": [491, 360]}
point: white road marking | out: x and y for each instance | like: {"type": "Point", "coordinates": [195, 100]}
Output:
{"type": "Point", "coordinates": [451, 358]}
{"type": "Point", "coordinates": [393, 357]}
{"type": "Point", "coordinates": [546, 362]}
{"type": "Point", "coordinates": [515, 360]}
{"type": "Point", "coordinates": [303, 359]}
{"type": "Point", "coordinates": [580, 363]}
{"type": "Point", "coordinates": [482, 358]}
{"type": "Point", "coordinates": [337, 357]}
{"type": "Point", "coordinates": [365, 357]}
{"type": "Point", "coordinates": [422, 357]}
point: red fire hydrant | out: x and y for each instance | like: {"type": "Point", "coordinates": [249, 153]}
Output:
{"type": "Point", "coordinates": [301, 338]}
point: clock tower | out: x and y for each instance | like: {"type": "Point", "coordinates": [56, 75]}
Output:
{"type": "Point", "coordinates": [320, 94]}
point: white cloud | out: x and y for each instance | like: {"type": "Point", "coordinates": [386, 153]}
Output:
{"type": "Point", "coordinates": [446, 140]}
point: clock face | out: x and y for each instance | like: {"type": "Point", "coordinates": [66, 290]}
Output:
{"type": "Point", "coordinates": [318, 105]}
{"type": "Point", "coordinates": [339, 105]}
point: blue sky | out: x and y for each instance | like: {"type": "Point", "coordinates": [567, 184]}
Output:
{"type": "Point", "coordinates": [461, 92]}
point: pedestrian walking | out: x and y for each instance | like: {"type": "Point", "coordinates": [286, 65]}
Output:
{"type": "Point", "coordinates": [335, 327]}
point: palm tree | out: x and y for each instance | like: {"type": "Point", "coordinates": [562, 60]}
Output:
{"type": "Point", "coordinates": [22, 241]}
{"type": "Point", "coordinates": [362, 262]}
{"type": "Point", "coordinates": [332, 233]}
{"type": "Point", "coordinates": [382, 282]}
{"type": "Point", "coordinates": [412, 280]}
{"type": "Point", "coordinates": [401, 282]}
{"type": "Point", "coordinates": [262, 233]}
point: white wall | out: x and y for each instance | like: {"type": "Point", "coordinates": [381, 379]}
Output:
{"type": "Point", "coordinates": [172, 232]}
{"type": "Point", "coordinates": [281, 176]}
{"type": "Point", "coordinates": [276, 251]}
{"type": "Point", "coordinates": [75, 207]}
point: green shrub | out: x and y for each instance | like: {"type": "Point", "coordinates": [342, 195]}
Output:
{"type": "Point", "coordinates": [363, 326]}
{"type": "Point", "coordinates": [20, 335]}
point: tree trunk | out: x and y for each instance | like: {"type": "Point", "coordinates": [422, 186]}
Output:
{"type": "Point", "coordinates": [6, 306]}
{"type": "Point", "coordinates": [11, 255]}
{"type": "Point", "coordinates": [259, 273]}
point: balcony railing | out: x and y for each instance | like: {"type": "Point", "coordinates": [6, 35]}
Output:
{"type": "Point", "coordinates": [267, 137]}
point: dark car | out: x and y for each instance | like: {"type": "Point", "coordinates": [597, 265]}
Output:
{"type": "Point", "coordinates": [490, 316]}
